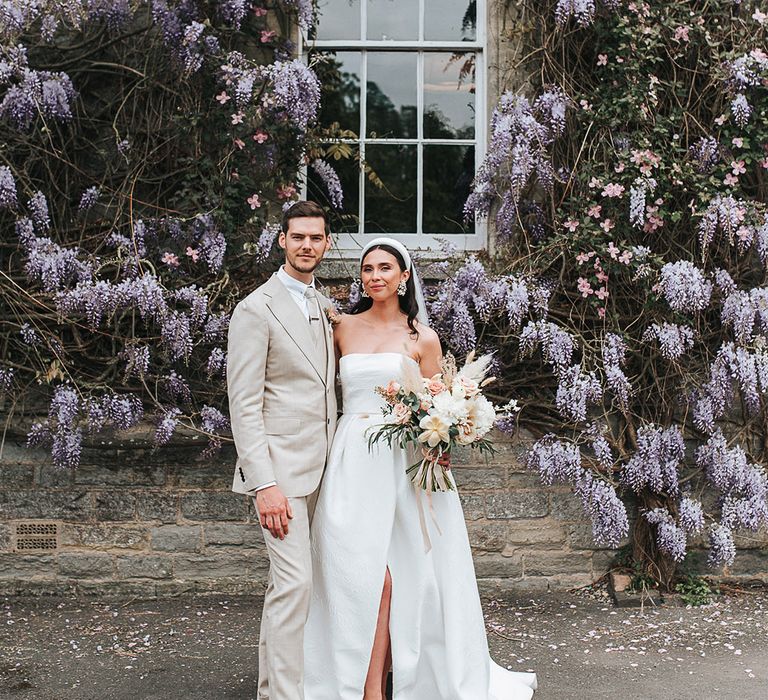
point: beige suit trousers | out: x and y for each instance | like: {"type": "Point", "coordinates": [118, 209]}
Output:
{"type": "Point", "coordinates": [286, 607]}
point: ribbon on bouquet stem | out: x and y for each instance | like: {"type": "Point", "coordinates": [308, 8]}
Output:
{"type": "Point", "coordinates": [427, 476]}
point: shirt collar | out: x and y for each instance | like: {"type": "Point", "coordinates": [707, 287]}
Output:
{"type": "Point", "coordinates": [291, 283]}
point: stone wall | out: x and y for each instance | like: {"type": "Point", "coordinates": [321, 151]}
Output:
{"type": "Point", "coordinates": [133, 521]}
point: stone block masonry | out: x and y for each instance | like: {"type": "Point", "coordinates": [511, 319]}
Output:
{"type": "Point", "coordinates": [135, 521]}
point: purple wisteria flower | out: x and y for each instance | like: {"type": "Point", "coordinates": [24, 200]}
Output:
{"type": "Point", "coordinates": [557, 461]}
{"type": "Point", "coordinates": [724, 282]}
{"type": "Point", "coordinates": [34, 92]}
{"type": "Point", "coordinates": [234, 11]}
{"type": "Point", "coordinates": [305, 10]}
{"type": "Point", "coordinates": [575, 390]}
{"type": "Point", "coordinates": [29, 335]}
{"type": "Point", "coordinates": [166, 426]}
{"type": "Point", "coordinates": [655, 464]}
{"type": "Point", "coordinates": [7, 188]}
{"type": "Point", "coordinates": [136, 360]}
{"type": "Point", "coordinates": [690, 516]}
{"type": "Point", "coordinates": [330, 178]}
{"type": "Point", "coordinates": [296, 91]}
{"type": "Point", "coordinates": [210, 240]}
{"type": "Point", "coordinates": [50, 264]}
{"type": "Point", "coordinates": [722, 550]}
{"type": "Point", "coordinates": [724, 213]}
{"type": "Point", "coordinates": [89, 199]}
{"type": "Point", "coordinates": [685, 287]}
{"type": "Point", "coordinates": [217, 363]}
{"type": "Point", "coordinates": [520, 135]}
{"type": "Point", "coordinates": [6, 379]}
{"type": "Point", "coordinates": [600, 446]}
{"type": "Point", "coordinates": [743, 486]}
{"type": "Point", "coordinates": [674, 340]}
{"type": "Point", "coordinates": [38, 206]}
{"type": "Point", "coordinates": [557, 345]}
{"type": "Point", "coordinates": [614, 351]}
{"type": "Point", "coordinates": [583, 11]}
{"type": "Point", "coordinates": [669, 537]}
{"type": "Point", "coordinates": [213, 422]}
{"type": "Point", "coordinates": [705, 154]}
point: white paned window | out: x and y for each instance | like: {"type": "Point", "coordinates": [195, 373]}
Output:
{"type": "Point", "coordinates": [406, 77]}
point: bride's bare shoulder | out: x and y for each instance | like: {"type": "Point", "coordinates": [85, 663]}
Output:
{"type": "Point", "coordinates": [428, 338]}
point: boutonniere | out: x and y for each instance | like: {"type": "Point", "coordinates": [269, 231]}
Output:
{"type": "Point", "coordinates": [334, 317]}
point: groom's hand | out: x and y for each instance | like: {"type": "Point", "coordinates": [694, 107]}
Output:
{"type": "Point", "coordinates": [274, 511]}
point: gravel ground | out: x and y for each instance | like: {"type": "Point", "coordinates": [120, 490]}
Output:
{"type": "Point", "coordinates": [205, 648]}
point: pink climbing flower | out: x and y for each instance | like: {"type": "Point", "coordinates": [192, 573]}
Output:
{"type": "Point", "coordinates": [254, 201]}
{"type": "Point", "coordinates": [613, 250]}
{"type": "Point", "coordinates": [571, 225]}
{"type": "Point", "coordinates": [193, 253]}
{"type": "Point", "coordinates": [286, 191]}
{"type": "Point", "coordinates": [607, 225]}
{"type": "Point", "coordinates": [681, 33]}
{"type": "Point", "coordinates": [267, 35]}
{"type": "Point", "coordinates": [583, 257]}
{"type": "Point", "coordinates": [625, 257]}
{"type": "Point", "coordinates": [613, 189]}
{"type": "Point", "coordinates": [602, 59]}
{"type": "Point", "coordinates": [239, 143]}
{"type": "Point", "coordinates": [237, 118]}
{"type": "Point", "coordinates": [595, 182]}
{"type": "Point", "coordinates": [602, 293]}
{"type": "Point", "coordinates": [738, 167]}
{"type": "Point", "coordinates": [170, 259]}
{"type": "Point", "coordinates": [594, 211]}
{"type": "Point", "coordinates": [730, 180]}
{"type": "Point", "coordinates": [222, 98]}
{"type": "Point", "coordinates": [260, 136]}
{"type": "Point", "coordinates": [602, 276]}
{"type": "Point", "coordinates": [737, 141]}
{"type": "Point", "coordinates": [601, 312]}
{"type": "Point", "coordinates": [260, 11]}
{"type": "Point", "coordinates": [584, 287]}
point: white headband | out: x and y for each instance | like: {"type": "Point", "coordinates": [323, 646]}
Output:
{"type": "Point", "coordinates": [392, 243]}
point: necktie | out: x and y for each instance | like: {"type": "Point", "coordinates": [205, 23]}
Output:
{"type": "Point", "coordinates": [315, 326]}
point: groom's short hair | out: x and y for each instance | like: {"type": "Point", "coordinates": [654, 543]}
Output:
{"type": "Point", "coordinates": [302, 209]}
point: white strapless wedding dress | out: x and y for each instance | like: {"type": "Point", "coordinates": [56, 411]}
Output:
{"type": "Point", "coordinates": [367, 519]}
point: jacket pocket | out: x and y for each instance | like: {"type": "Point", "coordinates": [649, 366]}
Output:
{"type": "Point", "coordinates": [281, 425]}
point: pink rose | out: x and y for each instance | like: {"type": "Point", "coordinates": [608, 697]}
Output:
{"type": "Point", "coordinates": [435, 386]}
{"type": "Point", "coordinates": [392, 388]}
{"type": "Point", "coordinates": [401, 413]}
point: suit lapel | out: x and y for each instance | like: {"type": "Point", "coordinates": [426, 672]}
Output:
{"type": "Point", "coordinates": [289, 316]}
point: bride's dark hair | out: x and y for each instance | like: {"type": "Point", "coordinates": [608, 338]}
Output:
{"type": "Point", "coordinates": [408, 304]}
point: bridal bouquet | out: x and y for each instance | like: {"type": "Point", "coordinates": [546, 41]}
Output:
{"type": "Point", "coordinates": [435, 414]}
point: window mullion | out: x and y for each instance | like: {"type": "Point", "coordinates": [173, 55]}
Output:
{"type": "Point", "coordinates": [419, 137]}
{"type": "Point", "coordinates": [363, 128]}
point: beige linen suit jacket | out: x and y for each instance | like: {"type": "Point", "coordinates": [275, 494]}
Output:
{"type": "Point", "coordinates": [282, 401]}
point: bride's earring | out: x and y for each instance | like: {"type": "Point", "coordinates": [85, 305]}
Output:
{"type": "Point", "coordinates": [363, 292]}
{"type": "Point", "coordinates": [401, 288]}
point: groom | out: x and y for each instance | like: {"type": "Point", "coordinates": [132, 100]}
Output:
{"type": "Point", "coordinates": [280, 377]}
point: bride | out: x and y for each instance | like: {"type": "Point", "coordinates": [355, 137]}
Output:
{"type": "Point", "coordinates": [389, 589]}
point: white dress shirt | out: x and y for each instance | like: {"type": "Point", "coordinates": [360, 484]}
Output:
{"type": "Point", "coordinates": [296, 289]}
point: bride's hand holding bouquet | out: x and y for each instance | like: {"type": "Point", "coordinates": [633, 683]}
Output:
{"type": "Point", "coordinates": [434, 414]}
